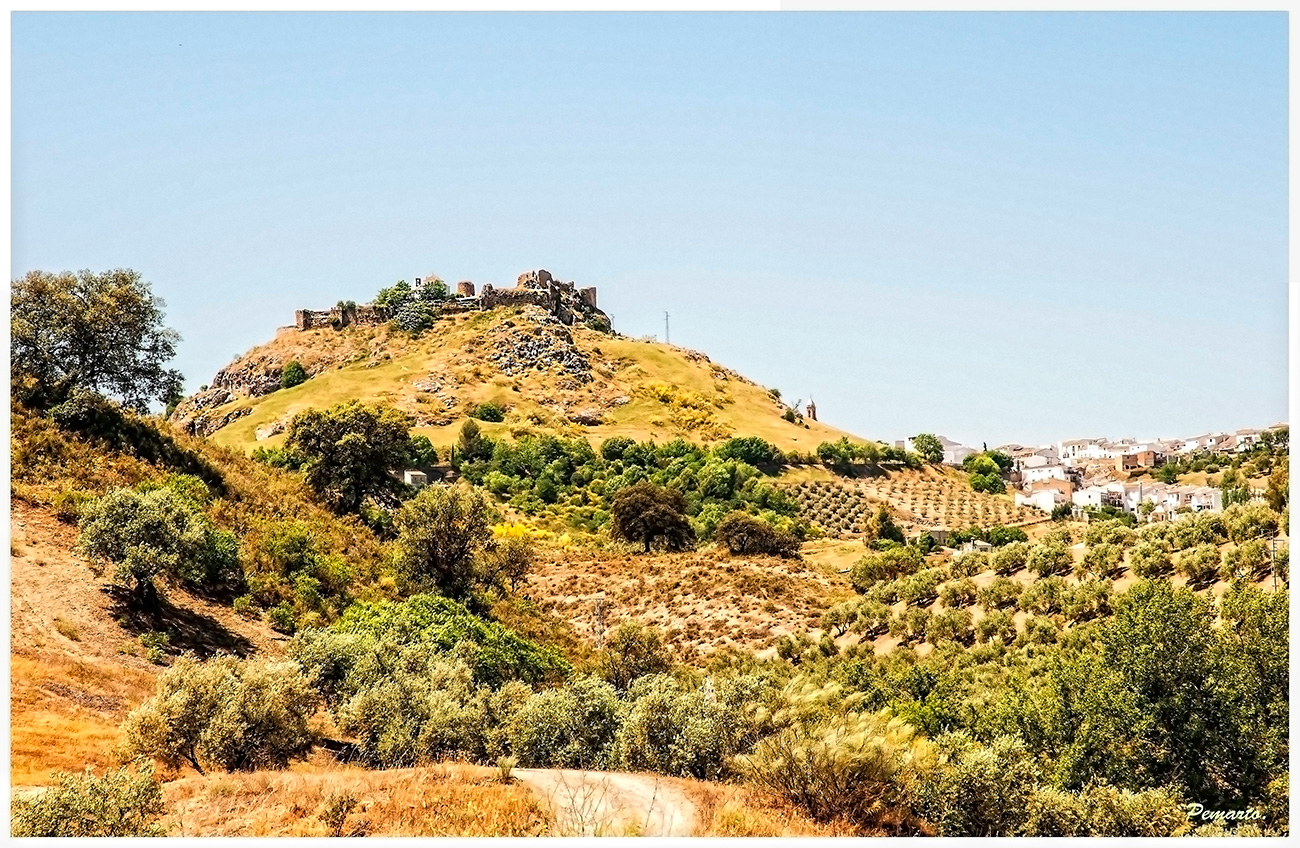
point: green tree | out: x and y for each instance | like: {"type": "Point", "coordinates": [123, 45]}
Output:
{"type": "Point", "coordinates": [646, 513]}
{"type": "Point", "coordinates": [348, 450]}
{"type": "Point", "coordinates": [929, 447]}
{"type": "Point", "coordinates": [143, 534]}
{"type": "Point", "coordinates": [881, 526]}
{"type": "Point", "coordinates": [292, 375]}
{"type": "Point", "coordinates": [634, 650]}
{"type": "Point", "coordinates": [440, 534]}
{"type": "Point", "coordinates": [225, 714]}
{"type": "Point", "coordinates": [742, 533]}
{"type": "Point", "coordinates": [1277, 492]}
{"type": "Point", "coordinates": [102, 332]}
{"type": "Point", "coordinates": [472, 443]}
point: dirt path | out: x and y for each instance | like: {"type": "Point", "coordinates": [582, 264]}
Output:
{"type": "Point", "coordinates": [600, 803]}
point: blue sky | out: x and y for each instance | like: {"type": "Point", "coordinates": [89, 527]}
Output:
{"type": "Point", "coordinates": [1000, 227]}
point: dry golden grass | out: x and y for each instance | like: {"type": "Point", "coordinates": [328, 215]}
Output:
{"type": "Point", "coordinates": [739, 810]}
{"type": "Point", "coordinates": [372, 364]}
{"type": "Point", "coordinates": [704, 601]}
{"type": "Point", "coordinates": [450, 799]}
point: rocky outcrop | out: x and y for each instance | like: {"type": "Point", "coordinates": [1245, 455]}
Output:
{"type": "Point", "coordinates": [540, 342]}
{"type": "Point", "coordinates": [207, 423]}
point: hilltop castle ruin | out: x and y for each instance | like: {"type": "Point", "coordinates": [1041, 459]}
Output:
{"type": "Point", "coordinates": [569, 304]}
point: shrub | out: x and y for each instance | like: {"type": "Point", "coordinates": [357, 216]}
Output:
{"type": "Point", "coordinates": [1247, 560]}
{"type": "Point", "coordinates": [749, 449]}
{"type": "Point", "coordinates": [634, 650]}
{"type": "Point", "coordinates": [367, 641]}
{"type": "Point", "coordinates": [954, 624]}
{"type": "Point", "coordinates": [123, 802]}
{"type": "Point", "coordinates": [225, 714]}
{"type": "Point", "coordinates": [143, 534]}
{"type": "Point", "coordinates": [1102, 810]}
{"type": "Point", "coordinates": [292, 375]}
{"type": "Point", "coordinates": [1150, 559]}
{"type": "Point", "coordinates": [574, 726]}
{"type": "Point", "coordinates": [488, 411]}
{"type": "Point", "coordinates": [507, 560]}
{"type": "Point", "coordinates": [857, 767]}
{"type": "Point", "coordinates": [996, 626]}
{"type": "Point", "coordinates": [741, 533]}
{"type": "Point", "coordinates": [881, 526]}
{"type": "Point", "coordinates": [1001, 592]}
{"type": "Point", "coordinates": [959, 593]}
{"type": "Point", "coordinates": [1050, 559]}
{"type": "Point", "coordinates": [979, 790]}
{"type": "Point", "coordinates": [440, 532]}
{"type": "Point", "coordinates": [1009, 559]}
{"type": "Point", "coordinates": [690, 732]}
{"type": "Point", "coordinates": [1201, 565]}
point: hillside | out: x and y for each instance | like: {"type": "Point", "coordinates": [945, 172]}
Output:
{"type": "Point", "coordinates": [547, 376]}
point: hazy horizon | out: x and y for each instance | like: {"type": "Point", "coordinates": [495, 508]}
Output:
{"type": "Point", "coordinates": [996, 227]}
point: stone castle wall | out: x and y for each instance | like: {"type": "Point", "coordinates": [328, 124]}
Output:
{"type": "Point", "coordinates": [570, 305]}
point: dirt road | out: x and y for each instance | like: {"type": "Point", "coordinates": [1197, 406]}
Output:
{"type": "Point", "coordinates": [600, 803]}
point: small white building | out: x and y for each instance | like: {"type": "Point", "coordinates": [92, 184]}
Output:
{"type": "Point", "coordinates": [1044, 499]}
{"type": "Point", "coordinates": [415, 478]}
{"type": "Point", "coordinates": [1043, 472]}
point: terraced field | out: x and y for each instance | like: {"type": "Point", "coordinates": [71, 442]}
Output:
{"type": "Point", "coordinates": [925, 500]}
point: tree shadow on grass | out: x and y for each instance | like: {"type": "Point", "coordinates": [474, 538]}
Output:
{"type": "Point", "coordinates": [187, 630]}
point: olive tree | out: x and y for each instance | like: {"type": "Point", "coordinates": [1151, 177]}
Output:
{"type": "Point", "coordinates": [225, 714]}
{"type": "Point", "coordinates": [440, 534]}
{"type": "Point", "coordinates": [101, 332]}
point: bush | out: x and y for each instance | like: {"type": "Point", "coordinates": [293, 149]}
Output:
{"type": "Point", "coordinates": [488, 411]}
{"type": "Point", "coordinates": [741, 533]}
{"type": "Point", "coordinates": [574, 726]}
{"type": "Point", "coordinates": [634, 650]}
{"type": "Point", "coordinates": [978, 790]}
{"type": "Point", "coordinates": [857, 767]}
{"type": "Point", "coordinates": [1050, 559]}
{"type": "Point", "coordinates": [292, 375]}
{"type": "Point", "coordinates": [440, 533]}
{"type": "Point", "coordinates": [1150, 559]}
{"type": "Point", "coordinates": [954, 624]}
{"type": "Point", "coordinates": [367, 642]}
{"type": "Point", "coordinates": [959, 593]}
{"type": "Point", "coordinates": [121, 803]}
{"type": "Point", "coordinates": [143, 534]}
{"type": "Point", "coordinates": [749, 449]}
{"type": "Point", "coordinates": [225, 714]}
{"type": "Point", "coordinates": [1001, 592]}
{"type": "Point", "coordinates": [1201, 565]}
{"type": "Point", "coordinates": [690, 733]}
{"type": "Point", "coordinates": [1009, 559]}
{"type": "Point", "coordinates": [1102, 810]}
{"type": "Point", "coordinates": [996, 626]}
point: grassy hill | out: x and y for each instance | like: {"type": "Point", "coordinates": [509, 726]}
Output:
{"type": "Point", "coordinates": [546, 376]}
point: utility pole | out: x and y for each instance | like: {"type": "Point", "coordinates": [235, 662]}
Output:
{"type": "Point", "coordinates": [667, 338]}
{"type": "Point", "coordinates": [600, 619]}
